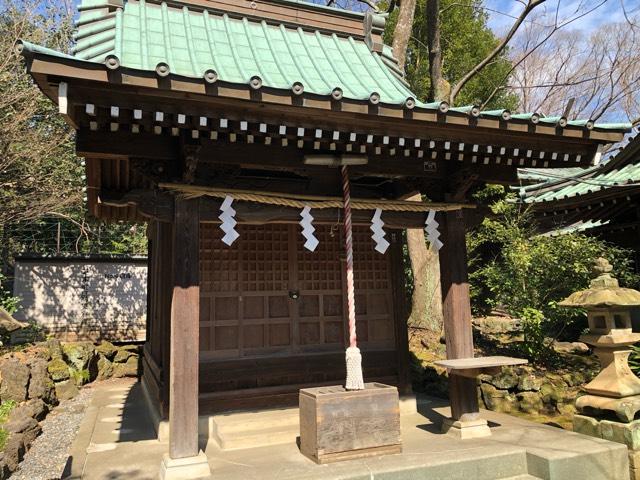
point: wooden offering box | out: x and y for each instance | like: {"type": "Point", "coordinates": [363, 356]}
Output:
{"type": "Point", "coordinates": [336, 424]}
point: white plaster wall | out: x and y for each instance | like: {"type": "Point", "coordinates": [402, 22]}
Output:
{"type": "Point", "coordinates": [81, 300]}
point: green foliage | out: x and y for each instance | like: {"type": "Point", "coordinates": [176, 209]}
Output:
{"type": "Point", "coordinates": [514, 269]}
{"type": "Point", "coordinates": [4, 436]}
{"type": "Point", "coordinates": [535, 344]}
{"type": "Point", "coordinates": [80, 377]}
{"type": "Point", "coordinates": [41, 179]}
{"type": "Point", "coordinates": [5, 409]}
{"type": "Point", "coordinates": [7, 300]}
{"type": "Point", "coordinates": [466, 39]}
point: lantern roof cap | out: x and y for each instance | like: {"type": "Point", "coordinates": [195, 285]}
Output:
{"type": "Point", "coordinates": [604, 291]}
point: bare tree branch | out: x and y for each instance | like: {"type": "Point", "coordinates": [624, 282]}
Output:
{"type": "Point", "coordinates": [530, 6]}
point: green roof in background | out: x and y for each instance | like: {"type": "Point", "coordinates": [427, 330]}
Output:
{"type": "Point", "coordinates": [621, 171]}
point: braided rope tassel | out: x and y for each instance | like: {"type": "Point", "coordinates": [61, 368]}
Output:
{"type": "Point", "coordinates": [353, 358]}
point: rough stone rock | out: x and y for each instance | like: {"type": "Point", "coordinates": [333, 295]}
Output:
{"type": "Point", "coordinates": [9, 324]}
{"type": "Point", "coordinates": [498, 400]}
{"type": "Point", "coordinates": [14, 451]}
{"type": "Point", "coordinates": [15, 380]}
{"type": "Point", "coordinates": [128, 369]}
{"type": "Point", "coordinates": [574, 378]}
{"type": "Point", "coordinates": [505, 380]}
{"type": "Point", "coordinates": [41, 384]}
{"type": "Point", "coordinates": [55, 348]}
{"type": "Point", "coordinates": [124, 354]}
{"type": "Point", "coordinates": [567, 409]}
{"type": "Point", "coordinates": [107, 349]}
{"type": "Point", "coordinates": [39, 350]}
{"type": "Point", "coordinates": [66, 390]}
{"type": "Point", "coordinates": [497, 324]}
{"type": "Point", "coordinates": [571, 347]}
{"type": "Point", "coordinates": [529, 383]}
{"type": "Point", "coordinates": [105, 368]}
{"type": "Point", "coordinates": [529, 402]}
{"type": "Point", "coordinates": [79, 354]}
{"type": "Point", "coordinates": [35, 408]}
{"type": "Point", "coordinates": [58, 369]}
{"type": "Point", "coordinates": [27, 426]}
{"type": "Point", "coordinates": [552, 394]}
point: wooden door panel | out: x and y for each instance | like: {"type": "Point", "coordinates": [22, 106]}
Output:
{"type": "Point", "coordinates": [246, 309]}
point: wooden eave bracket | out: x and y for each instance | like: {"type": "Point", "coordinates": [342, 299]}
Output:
{"type": "Point", "coordinates": [43, 66]}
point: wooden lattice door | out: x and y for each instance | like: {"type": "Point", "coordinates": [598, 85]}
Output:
{"type": "Point", "coordinates": [268, 296]}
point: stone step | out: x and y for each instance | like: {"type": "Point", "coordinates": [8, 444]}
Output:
{"type": "Point", "coordinates": [257, 428]}
{"type": "Point", "coordinates": [243, 421]}
{"type": "Point", "coordinates": [236, 439]}
{"type": "Point", "coordinates": [522, 477]}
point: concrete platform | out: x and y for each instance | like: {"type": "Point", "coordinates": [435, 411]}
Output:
{"type": "Point", "coordinates": [117, 440]}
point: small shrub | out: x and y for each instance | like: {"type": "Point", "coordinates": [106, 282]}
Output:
{"type": "Point", "coordinates": [7, 300]}
{"type": "Point", "coordinates": [5, 409]}
{"type": "Point", "coordinates": [80, 377]}
{"type": "Point", "coordinates": [535, 344]}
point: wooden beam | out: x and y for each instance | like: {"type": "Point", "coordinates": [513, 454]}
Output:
{"type": "Point", "coordinates": [120, 145]}
{"type": "Point", "coordinates": [457, 313]}
{"type": "Point", "coordinates": [135, 89]}
{"type": "Point", "coordinates": [185, 322]}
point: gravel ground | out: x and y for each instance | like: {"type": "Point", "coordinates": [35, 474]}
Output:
{"type": "Point", "coordinates": [48, 455]}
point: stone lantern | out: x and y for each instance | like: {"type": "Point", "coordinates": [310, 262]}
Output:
{"type": "Point", "coordinates": [608, 306]}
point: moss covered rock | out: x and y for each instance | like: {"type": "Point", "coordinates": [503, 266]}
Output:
{"type": "Point", "coordinates": [125, 353]}
{"type": "Point", "coordinates": [498, 400]}
{"type": "Point", "coordinates": [105, 368]}
{"type": "Point", "coordinates": [529, 383]}
{"type": "Point", "coordinates": [107, 349]}
{"type": "Point", "coordinates": [79, 354]}
{"type": "Point", "coordinates": [55, 348]}
{"type": "Point", "coordinates": [66, 390]}
{"type": "Point", "coordinates": [58, 369]}
{"type": "Point", "coordinates": [529, 402]}
{"type": "Point", "coordinates": [505, 380]}
{"type": "Point", "coordinates": [127, 369]}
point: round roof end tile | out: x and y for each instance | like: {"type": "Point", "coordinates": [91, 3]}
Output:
{"type": "Point", "coordinates": [162, 69]}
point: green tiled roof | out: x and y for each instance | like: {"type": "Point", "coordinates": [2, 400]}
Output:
{"type": "Point", "coordinates": [577, 227]}
{"type": "Point", "coordinates": [190, 42]}
{"type": "Point", "coordinates": [622, 171]}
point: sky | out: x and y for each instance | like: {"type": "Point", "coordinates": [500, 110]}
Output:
{"type": "Point", "coordinates": [502, 12]}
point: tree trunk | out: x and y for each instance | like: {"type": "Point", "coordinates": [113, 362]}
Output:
{"type": "Point", "coordinates": [426, 302]}
{"type": "Point", "coordinates": [402, 32]}
{"type": "Point", "coordinates": [439, 88]}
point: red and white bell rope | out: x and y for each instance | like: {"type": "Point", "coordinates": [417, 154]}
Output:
{"type": "Point", "coordinates": [353, 357]}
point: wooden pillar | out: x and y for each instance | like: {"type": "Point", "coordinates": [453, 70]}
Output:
{"type": "Point", "coordinates": [400, 314]}
{"type": "Point", "coordinates": [457, 313]}
{"type": "Point", "coordinates": [185, 318]}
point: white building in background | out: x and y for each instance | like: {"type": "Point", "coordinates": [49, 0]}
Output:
{"type": "Point", "coordinates": [84, 297]}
